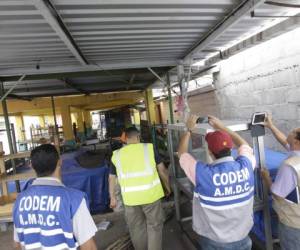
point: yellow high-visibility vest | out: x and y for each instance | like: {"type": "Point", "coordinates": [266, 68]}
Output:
{"type": "Point", "coordinates": [137, 174]}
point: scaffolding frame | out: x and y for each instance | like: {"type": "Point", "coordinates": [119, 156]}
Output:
{"type": "Point", "coordinates": [182, 184]}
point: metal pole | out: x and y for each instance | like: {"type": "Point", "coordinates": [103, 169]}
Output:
{"type": "Point", "coordinates": [175, 188]}
{"type": "Point", "coordinates": [4, 95]}
{"type": "Point", "coordinates": [170, 99]}
{"type": "Point", "coordinates": [54, 114]}
{"type": "Point", "coordinates": [155, 74]}
{"type": "Point", "coordinates": [31, 135]}
{"type": "Point", "coordinates": [9, 137]}
{"type": "Point", "coordinates": [56, 133]}
{"type": "Point", "coordinates": [266, 206]}
{"type": "Point", "coordinates": [13, 135]}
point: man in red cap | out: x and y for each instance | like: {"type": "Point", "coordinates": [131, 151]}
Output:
{"type": "Point", "coordinates": [223, 195]}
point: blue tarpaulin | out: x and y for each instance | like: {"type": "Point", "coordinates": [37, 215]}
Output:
{"type": "Point", "coordinates": [273, 161]}
{"type": "Point", "coordinates": [94, 182]}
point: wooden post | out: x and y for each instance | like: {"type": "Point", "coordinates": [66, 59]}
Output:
{"type": "Point", "coordinates": [150, 107]}
{"type": "Point", "coordinates": [67, 122]}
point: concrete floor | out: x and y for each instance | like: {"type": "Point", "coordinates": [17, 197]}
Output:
{"type": "Point", "coordinates": [172, 235]}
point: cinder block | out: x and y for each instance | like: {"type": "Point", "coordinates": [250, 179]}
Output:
{"type": "Point", "coordinates": [263, 82]}
{"type": "Point", "coordinates": [252, 61]}
{"type": "Point", "coordinates": [292, 124]}
{"type": "Point", "coordinates": [263, 108]}
{"type": "Point", "coordinates": [274, 96]}
{"type": "Point", "coordinates": [245, 113]}
{"type": "Point", "coordinates": [280, 79]}
{"type": "Point", "coordinates": [293, 95]}
{"type": "Point", "coordinates": [297, 75]}
{"type": "Point", "coordinates": [285, 112]}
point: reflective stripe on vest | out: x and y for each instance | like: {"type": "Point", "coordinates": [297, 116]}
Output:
{"type": "Point", "coordinates": [43, 215]}
{"type": "Point", "coordinates": [141, 188]}
{"type": "Point", "coordinates": [147, 172]}
{"type": "Point", "coordinates": [39, 245]}
{"type": "Point", "coordinates": [52, 232]}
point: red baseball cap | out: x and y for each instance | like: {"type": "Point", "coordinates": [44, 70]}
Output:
{"type": "Point", "coordinates": [218, 141]}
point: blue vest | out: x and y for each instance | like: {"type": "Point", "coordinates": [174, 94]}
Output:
{"type": "Point", "coordinates": [224, 185]}
{"type": "Point", "coordinates": [43, 216]}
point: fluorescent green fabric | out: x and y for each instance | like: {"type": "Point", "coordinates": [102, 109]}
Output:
{"type": "Point", "coordinates": [137, 174]}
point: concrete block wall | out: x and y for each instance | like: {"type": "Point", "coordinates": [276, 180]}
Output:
{"type": "Point", "coordinates": [200, 104]}
{"type": "Point", "coordinates": [204, 104]}
{"type": "Point", "coordinates": [263, 78]}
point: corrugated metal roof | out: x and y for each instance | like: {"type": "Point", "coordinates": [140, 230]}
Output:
{"type": "Point", "coordinates": [111, 41]}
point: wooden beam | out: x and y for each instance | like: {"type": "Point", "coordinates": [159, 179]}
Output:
{"type": "Point", "coordinates": [24, 154]}
{"type": "Point", "coordinates": [17, 177]}
{"type": "Point", "coordinates": [13, 96]}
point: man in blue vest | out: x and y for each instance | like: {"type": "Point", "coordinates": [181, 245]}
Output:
{"type": "Point", "coordinates": [223, 195]}
{"type": "Point", "coordinates": [48, 214]}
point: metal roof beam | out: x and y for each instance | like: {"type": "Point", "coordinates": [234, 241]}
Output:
{"type": "Point", "coordinates": [50, 14]}
{"type": "Point", "coordinates": [141, 19]}
{"type": "Point", "coordinates": [73, 86]}
{"type": "Point", "coordinates": [137, 26]}
{"type": "Point", "coordinates": [68, 92]}
{"type": "Point", "coordinates": [120, 11]}
{"type": "Point", "coordinates": [52, 72]}
{"type": "Point", "coordinates": [132, 3]}
{"type": "Point", "coordinates": [236, 15]}
{"type": "Point", "coordinates": [157, 76]}
{"type": "Point", "coordinates": [13, 96]}
{"type": "Point", "coordinates": [11, 88]}
{"type": "Point", "coordinates": [261, 37]}
{"type": "Point", "coordinates": [136, 37]}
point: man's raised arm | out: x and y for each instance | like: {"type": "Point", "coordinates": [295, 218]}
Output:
{"type": "Point", "coordinates": [280, 137]}
{"type": "Point", "coordinates": [236, 138]}
{"type": "Point", "coordinates": [184, 140]}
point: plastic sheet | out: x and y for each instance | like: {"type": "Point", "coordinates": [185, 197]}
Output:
{"type": "Point", "coordinates": [94, 182]}
{"type": "Point", "coordinates": [273, 161]}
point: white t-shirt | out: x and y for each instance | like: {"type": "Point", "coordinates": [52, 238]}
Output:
{"type": "Point", "coordinates": [286, 178]}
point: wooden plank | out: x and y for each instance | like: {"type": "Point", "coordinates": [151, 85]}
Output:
{"type": "Point", "coordinates": [24, 154]}
{"type": "Point", "coordinates": [6, 210]}
{"type": "Point", "coordinates": [23, 176]}
{"type": "Point", "coordinates": [4, 188]}
{"type": "Point", "coordinates": [6, 205]}
{"type": "Point", "coordinates": [5, 219]}
{"type": "Point", "coordinates": [2, 166]}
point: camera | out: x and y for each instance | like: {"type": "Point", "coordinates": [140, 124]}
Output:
{"type": "Point", "coordinates": [258, 118]}
{"type": "Point", "coordinates": [202, 119]}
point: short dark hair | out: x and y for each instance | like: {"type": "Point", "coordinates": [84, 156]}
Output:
{"type": "Point", "coordinates": [44, 159]}
{"type": "Point", "coordinates": [132, 131]}
{"type": "Point", "coordinates": [223, 153]}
